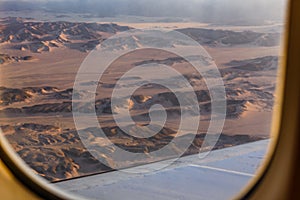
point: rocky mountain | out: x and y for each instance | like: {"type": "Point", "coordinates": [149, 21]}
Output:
{"type": "Point", "coordinates": [14, 95]}
{"type": "Point", "coordinates": [266, 63]}
{"type": "Point", "coordinates": [57, 153]}
{"type": "Point", "coordinates": [44, 36]}
{"type": "Point", "coordinates": [30, 114]}
{"type": "Point", "coordinates": [228, 38]}
{"type": "Point", "coordinates": [238, 78]}
{"type": "Point", "coordinates": [4, 58]}
{"type": "Point", "coordinates": [23, 34]}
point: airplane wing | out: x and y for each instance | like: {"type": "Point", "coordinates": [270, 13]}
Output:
{"type": "Point", "coordinates": [220, 175]}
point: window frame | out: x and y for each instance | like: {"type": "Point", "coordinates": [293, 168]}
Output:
{"type": "Point", "coordinates": [277, 179]}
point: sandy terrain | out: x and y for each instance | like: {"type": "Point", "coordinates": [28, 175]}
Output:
{"type": "Point", "coordinates": [36, 94]}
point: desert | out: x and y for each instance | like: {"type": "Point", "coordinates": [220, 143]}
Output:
{"type": "Point", "coordinates": [39, 61]}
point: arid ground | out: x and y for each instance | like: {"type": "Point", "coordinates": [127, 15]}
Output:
{"type": "Point", "coordinates": [39, 61]}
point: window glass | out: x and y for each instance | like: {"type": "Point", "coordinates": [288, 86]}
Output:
{"type": "Point", "coordinates": [123, 99]}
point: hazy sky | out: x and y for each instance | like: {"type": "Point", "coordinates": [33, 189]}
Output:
{"type": "Point", "coordinates": [199, 10]}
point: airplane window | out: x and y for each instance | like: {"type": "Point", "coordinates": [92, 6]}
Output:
{"type": "Point", "coordinates": [129, 99]}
